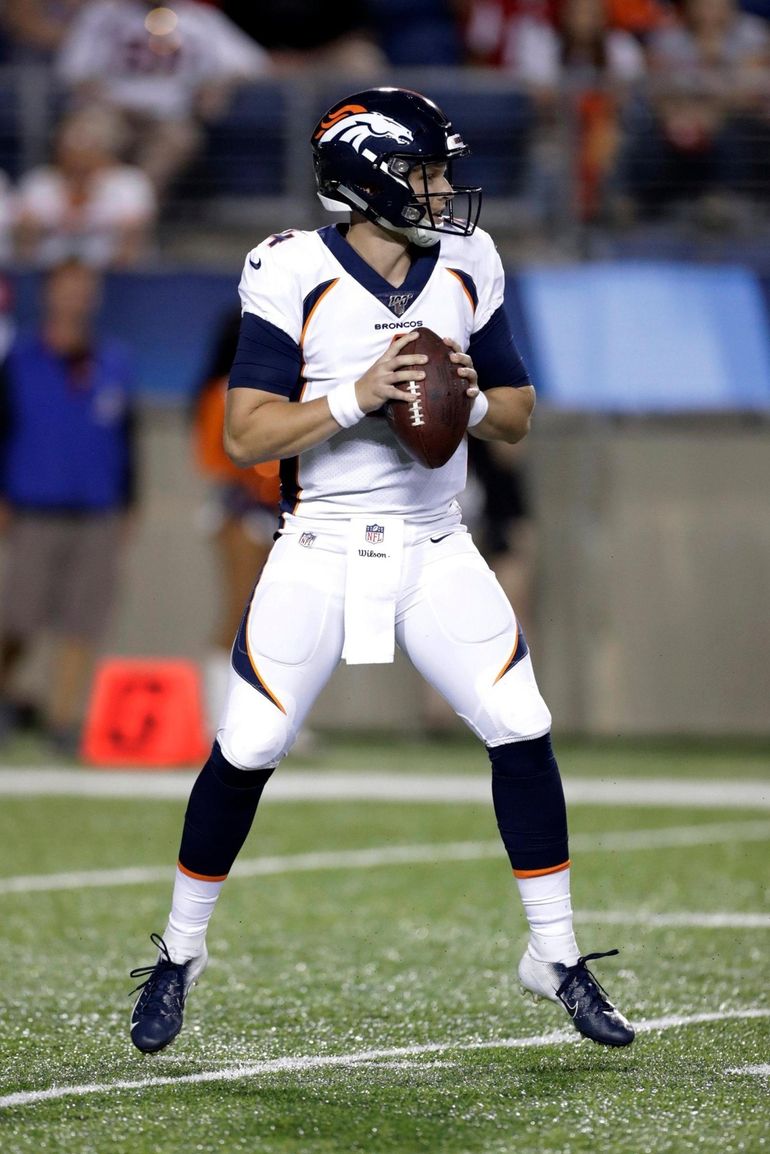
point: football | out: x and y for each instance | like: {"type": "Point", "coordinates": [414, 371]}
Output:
{"type": "Point", "coordinates": [432, 423]}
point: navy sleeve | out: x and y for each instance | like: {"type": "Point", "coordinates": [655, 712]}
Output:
{"type": "Point", "coordinates": [495, 356]}
{"type": "Point", "coordinates": [266, 358]}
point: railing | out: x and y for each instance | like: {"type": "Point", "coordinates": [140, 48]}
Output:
{"type": "Point", "coordinates": [588, 168]}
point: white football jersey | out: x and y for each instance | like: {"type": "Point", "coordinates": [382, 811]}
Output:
{"type": "Point", "coordinates": [342, 315]}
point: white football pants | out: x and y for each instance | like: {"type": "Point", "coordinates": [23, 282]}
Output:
{"type": "Point", "coordinates": [453, 621]}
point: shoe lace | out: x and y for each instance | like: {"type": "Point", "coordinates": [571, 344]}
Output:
{"type": "Point", "coordinates": [156, 992]}
{"type": "Point", "coordinates": [580, 969]}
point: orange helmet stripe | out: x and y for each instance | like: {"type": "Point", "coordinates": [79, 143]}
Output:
{"type": "Point", "coordinates": [346, 110]}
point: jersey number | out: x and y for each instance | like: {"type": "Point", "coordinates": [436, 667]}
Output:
{"type": "Point", "coordinates": [279, 237]}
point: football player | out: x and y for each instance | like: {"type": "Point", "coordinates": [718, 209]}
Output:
{"type": "Point", "coordinates": [372, 550]}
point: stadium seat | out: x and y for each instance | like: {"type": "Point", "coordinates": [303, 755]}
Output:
{"type": "Point", "coordinates": [244, 154]}
{"type": "Point", "coordinates": [498, 127]}
{"type": "Point", "coordinates": [10, 136]}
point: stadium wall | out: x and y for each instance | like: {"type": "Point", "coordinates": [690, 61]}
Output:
{"type": "Point", "coordinates": [652, 578]}
{"type": "Point", "coordinates": [653, 519]}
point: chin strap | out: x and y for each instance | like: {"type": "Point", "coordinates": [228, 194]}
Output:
{"type": "Point", "coordinates": [421, 236]}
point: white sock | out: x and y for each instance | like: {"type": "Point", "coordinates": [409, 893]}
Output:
{"type": "Point", "coordinates": [547, 905]}
{"type": "Point", "coordinates": [191, 908]}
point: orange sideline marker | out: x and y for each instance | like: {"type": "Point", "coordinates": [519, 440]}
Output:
{"type": "Point", "coordinates": [145, 713]}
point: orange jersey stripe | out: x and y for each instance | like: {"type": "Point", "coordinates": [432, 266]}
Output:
{"type": "Point", "coordinates": [308, 319]}
{"type": "Point", "coordinates": [542, 873]}
{"type": "Point", "coordinates": [464, 288]}
{"type": "Point", "coordinates": [326, 291]}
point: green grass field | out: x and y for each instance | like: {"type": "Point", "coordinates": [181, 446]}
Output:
{"type": "Point", "coordinates": [361, 993]}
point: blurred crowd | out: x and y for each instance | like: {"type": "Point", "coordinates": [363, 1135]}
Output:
{"type": "Point", "coordinates": [669, 103]}
{"type": "Point", "coordinates": [660, 107]}
{"type": "Point", "coordinates": [663, 106]}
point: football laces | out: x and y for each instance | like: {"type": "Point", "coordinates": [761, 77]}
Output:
{"type": "Point", "coordinates": [416, 417]}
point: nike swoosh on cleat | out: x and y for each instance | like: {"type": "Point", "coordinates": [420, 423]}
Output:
{"type": "Point", "coordinates": [571, 1008]}
{"type": "Point", "coordinates": [258, 263]}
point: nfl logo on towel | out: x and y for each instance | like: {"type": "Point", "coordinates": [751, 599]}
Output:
{"type": "Point", "coordinates": [375, 534]}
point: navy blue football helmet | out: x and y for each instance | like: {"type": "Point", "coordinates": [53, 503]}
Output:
{"type": "Point", "coordinates": [364, 150]}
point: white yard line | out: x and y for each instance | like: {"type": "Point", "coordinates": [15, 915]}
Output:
{"type": "Point", "coordinates": [686, 919]}
{"type": "Point", "coordinates": [378, 856]}
{"type": "Point", "coordinates": [290, 785]}
{"type": "Point", "coordinates": [671, 837]}
{"type": "Point", "coordinates": [300, 1064]}
{"type": "Point", "coordinates": [257, 867]}
{"type": "Point", "coordinates": [752, 1071]}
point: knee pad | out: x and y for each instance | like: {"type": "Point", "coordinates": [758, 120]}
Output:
{"type": "Point", "coordinates": [512, 709]}
{"type": "Point", "coordinates": [257, 738]}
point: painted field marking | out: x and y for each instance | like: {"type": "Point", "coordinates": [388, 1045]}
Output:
{"type": "Point", "coordinates": [674, 837]}
{"type": "Point", "coordinates": [753, 1071]}
{"type": "Point", "coordinates": [686, 919]}
{"type": "Point", "coordinates": [290, 785]}
{"type": "Point", "coordinates": [314, 1062]}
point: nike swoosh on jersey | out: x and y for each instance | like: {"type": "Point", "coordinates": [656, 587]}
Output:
{"type": "Point", "coordinates": [258, 263]}
{"type": "Point", "coordinates": [444, 536]}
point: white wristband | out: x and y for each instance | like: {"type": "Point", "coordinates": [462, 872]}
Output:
{"type": "Point", "coordinates": [343, 405]}
{"type": "Point", "coordinates": [478, 410]}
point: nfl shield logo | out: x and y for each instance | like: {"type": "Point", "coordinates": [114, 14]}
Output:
{"type": "Point", "coordinates": [375, 534]}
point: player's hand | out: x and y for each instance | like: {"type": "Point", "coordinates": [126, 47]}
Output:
{"type": "Point", "coordinates": [465, 366]}
{"type": "Point", "coordinates": [378, 384]}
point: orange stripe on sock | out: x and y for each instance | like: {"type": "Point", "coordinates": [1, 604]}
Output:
{"type": "Point", "coordinates": [200, 877]}
{"type": "Point", "coordinates": [542, 873]}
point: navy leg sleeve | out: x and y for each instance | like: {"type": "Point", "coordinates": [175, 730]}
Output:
{"type": "Point", "coordinates": [219, 815]}
{"type": "Point", "coordinates": [529, 804]}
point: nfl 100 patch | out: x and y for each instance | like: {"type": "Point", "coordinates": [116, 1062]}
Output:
{"type": "Point", "coordinates": [398, 303]}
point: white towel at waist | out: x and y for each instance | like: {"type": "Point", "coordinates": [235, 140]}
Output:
{"type": "Point", "coordinates": [373, 575]}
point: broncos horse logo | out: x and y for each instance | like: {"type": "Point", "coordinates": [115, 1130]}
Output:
{"type": "Point", "coordinates": [353, 125]}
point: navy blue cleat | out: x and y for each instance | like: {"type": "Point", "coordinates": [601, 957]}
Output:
{"type": "Point", "coordinates": [592, 1013]}
{"type": "Point", "coordinates": [158, 1012]}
